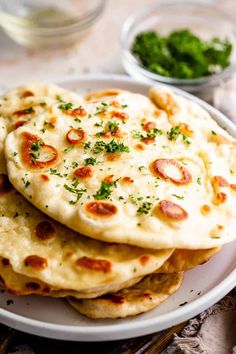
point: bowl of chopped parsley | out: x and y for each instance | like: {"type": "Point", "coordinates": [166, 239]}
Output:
{"type": "Point", "coordinates": [190, 45]}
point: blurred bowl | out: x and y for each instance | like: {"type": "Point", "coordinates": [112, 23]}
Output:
{"type": "Point", "coordinates": [47, 23]}
{"type": "Point", "coordinates": [204, 20]}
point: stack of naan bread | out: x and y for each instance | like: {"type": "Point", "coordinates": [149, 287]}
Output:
{"type": "Point", "coordinates": [107, 199]}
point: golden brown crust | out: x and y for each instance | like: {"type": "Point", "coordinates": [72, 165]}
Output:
{"type": "Point", "coordinates": [150, 292]}
{"type": "Point", "coordinates": [172, 210]}
{"type": "Point", "coordinates": [36, 262]}
{"type": "Point", "coordinates": [183, 260]}
{"type": "Point", "coordinates": [83, 172]}
{"type": "Point", "coordinates": [75, 136]}
{"type": "Point", "coordinates": [45, 231]}
{"type": "Point", "coordinates": [160, 168]}
{"type": "Point", "coordinates": [27, 153]}
{"type": "Point", "coordinates": [100, 265]}
{"type": "Point", "coordinates": [101, 209]}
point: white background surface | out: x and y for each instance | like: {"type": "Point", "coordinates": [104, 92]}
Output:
{"type": "Point", "coordinates": [99, 52]}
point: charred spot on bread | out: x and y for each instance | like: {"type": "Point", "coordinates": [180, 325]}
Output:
{"type": "Point", "coordinates": [100, 265]}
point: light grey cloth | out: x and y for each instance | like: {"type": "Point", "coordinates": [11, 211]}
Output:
{"type": "Point", "coordinates": [212, 332]}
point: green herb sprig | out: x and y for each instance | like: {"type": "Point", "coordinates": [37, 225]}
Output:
{"type": "Point", "coordinates": [182, 54]}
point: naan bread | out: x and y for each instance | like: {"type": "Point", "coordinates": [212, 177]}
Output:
{"type": "Point", "coordinates": [142, 297]}
{"type": "Point", "coordinates": [39, 247]}
{"type": "Point", "coordinates": [121, 169]}
{"type": "Point", "coordinates": [183, 260]}
{"type": "Point", "coordinates": [20, 284]}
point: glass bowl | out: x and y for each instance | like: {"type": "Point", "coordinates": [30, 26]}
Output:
{"type": "Point", "coordinates": [204, 20]}
{"type": "Point", "coordinates": [48, 23]}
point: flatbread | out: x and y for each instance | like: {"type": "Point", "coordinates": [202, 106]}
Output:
{"type": "Point", "coordinates": [142, 297]}
{"type": "Point", "coordinates": [183, 260]}
{"type": "Point", "coordinates": [154, 184]}
{"type": "Point", "coordinates": [180, 261]}
{"type": "Point", "coordinates": [19, 284]}
{"type": "Point", "coordinates": [41, 248]}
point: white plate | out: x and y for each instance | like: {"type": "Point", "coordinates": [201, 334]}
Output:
{"type": "Point", "coordinates": [202, 287]}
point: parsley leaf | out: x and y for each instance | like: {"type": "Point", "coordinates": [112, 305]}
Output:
{"type": "Point", "coordinates": [181, 53]}
{"type": "Point", "coordinates": [87, 145]}
{"type": "Point", "coordinates": [90, 161]}
{"type": "Point", "coordinates": [175, 132]}
{"type": "Point", "coordinates": [54, 171]}
{"type": "Point", "coordinates": [104, 191]}
{"type": "Point", "coordinates": [68, 149]}
{"type": "Point", "coordinates": [178, 196]}
{"type": "Point", "coordinates": [144, 208]}
{"type": "Point", "coordinates": [112, 146]}
{"type": "Point", "coordinates": [65, 106]}
{"type": "Point", "coordinates": [77, 192]}
{"type": "Point", "coordinates": [35, 149]}
{"type": "Point", "coordinates": [26, 182]}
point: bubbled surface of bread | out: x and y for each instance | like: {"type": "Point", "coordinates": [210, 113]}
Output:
{"type": "Point", "coordinates": [156, 175]}
{"type": "Point", "coordinates": [37, 246]}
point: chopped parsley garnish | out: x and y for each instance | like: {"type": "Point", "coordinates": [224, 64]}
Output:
{"type": "Point", "coordinates": [59, 99]}
{"type": "Point", "coordinates": [99, 134]}
{"type": "Point", "coordinates": [87, 145]}
{"type": "Point", "coordinates": [102, 108]}
{"type": "Point", "coordinates": [132, 199]}
{"type": "Point", "coordinates": [90, 161]}
{"type": "Point", "coordinates": [77, 192]}
{"type": "Point", "coordinates": [178, 196]}
{"type": "Point", "coordinates": [175, 132]}
{"type": "Point", "coordinates": [68, 149]}
{"type": "Point", "coordinates": [112, 146]}
{"type": "Point", "coordinates": [43, 104]}
{"type": "Point", "coordinates": [77, 120]}
{"type": "Point", "coordinates": [111, 127]}
{"type": "Point", "coordinates": [199, 181]}
{"type": "Point", "coordinates": [144, 208]}
{"type": "Point", "coordinates": [36, 146]}
{"type": "Point", "coordinates": [152, 133]}
{"type": "Point", "coordinates": [26, 182]}
{"type": "Point", "coordinates": [181, 53]}
{"type": "Point", "coordinates": [65, 106]}
{"type": "Point", "coordinates": [54, 171]}
{"type": "Point", "coordinates": [98, 124]}
{"type": "Point", "coordinates": [74, 164]}
{"type": "Point", "coordinates": [213, 132]}
{"type": "Point", "coordinates": [104, 192]}
{"type": "Point", "coordinates": [99, 146]}
{"type": "Point", "coordinates": [35, 149]}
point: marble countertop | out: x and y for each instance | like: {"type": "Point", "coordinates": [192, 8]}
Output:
{"type": "Point", "coordinates": [98, 52]}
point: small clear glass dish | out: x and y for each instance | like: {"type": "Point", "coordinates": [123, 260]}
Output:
{"type": "Point", "coordinates": [48, 23]}
{"type": "Point", "coordinates": [204, 20]}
